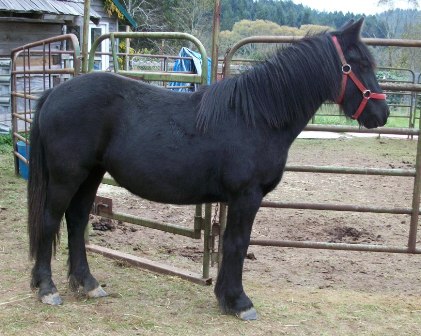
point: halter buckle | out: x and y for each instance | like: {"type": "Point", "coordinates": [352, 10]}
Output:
{"type": "Point", "coordinates": [346, 69]}
{"type": "Point", "coordinates": [366, 94]}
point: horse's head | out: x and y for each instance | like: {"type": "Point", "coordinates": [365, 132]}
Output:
{"type": "Point", "coordinates": [360, 95]}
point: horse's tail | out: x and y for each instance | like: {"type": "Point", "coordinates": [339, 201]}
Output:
{"type": "Point", "coordinates": [37, 182]}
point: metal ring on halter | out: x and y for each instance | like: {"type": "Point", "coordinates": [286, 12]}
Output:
{"type": "Point", "coordinates": [346, 69]}
{"type": "Point", "coordinates": [367, 94]}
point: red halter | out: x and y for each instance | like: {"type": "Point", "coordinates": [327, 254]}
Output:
{"type": "Point", "coordinates": [347, 71]}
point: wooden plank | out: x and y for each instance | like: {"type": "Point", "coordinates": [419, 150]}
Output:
{"type": "Point", "coordinates": [149, 265]}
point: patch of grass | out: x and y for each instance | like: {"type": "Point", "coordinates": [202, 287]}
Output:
{"type": "Point", "coordinates": [329, 114]}
{"type": "Point", "coordinates": [6, 143]}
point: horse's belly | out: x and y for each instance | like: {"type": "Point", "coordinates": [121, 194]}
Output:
{"type": "Point", "coordinates": [168, 182]}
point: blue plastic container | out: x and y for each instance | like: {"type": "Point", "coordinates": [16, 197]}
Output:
{"type": "Point", "coordinates": [23, 149]}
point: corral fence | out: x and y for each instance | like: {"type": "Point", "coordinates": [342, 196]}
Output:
{"type": "Point", "coordinates": [41, 65]}
{"type": "Point", "coordinates": [406, 87]}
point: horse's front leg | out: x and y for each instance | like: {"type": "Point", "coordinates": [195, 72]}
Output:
{"type": "Point", "coordinates": [229, 288]}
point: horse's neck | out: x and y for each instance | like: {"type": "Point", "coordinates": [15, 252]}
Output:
{"type": "Point", "coordinates": [306, 86]}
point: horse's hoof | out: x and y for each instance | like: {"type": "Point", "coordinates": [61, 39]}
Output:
{"type": "Point", "coordinates": [53, 299]}
{"type": "Point", "coordinates": [248, 315]}
{"type": "Point", "coordinates": [97, 292]}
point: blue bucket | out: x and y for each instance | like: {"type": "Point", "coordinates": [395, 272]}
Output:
{"type": "Point", "coordinates": [23, 149]}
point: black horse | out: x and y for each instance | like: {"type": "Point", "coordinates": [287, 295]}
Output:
{"type": "Point", "coordinates": [228, 142]}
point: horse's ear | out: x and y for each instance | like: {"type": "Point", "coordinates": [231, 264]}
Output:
{"type": "Point", "coordinates": [346, 25]}
{"type": "Point", "coordinates": [353, 29]}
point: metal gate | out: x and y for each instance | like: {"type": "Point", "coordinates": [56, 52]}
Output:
{"type": "Point", "coordinates": [415, 173]}
{"type": "Point", "coordinates": [103, 207]}
{"type": "Point", "coordinates": [43, 64]}
{"type": "Point", "coordinates": [37, 67]}
{"type": "Point", "coordinates": [59, 59]}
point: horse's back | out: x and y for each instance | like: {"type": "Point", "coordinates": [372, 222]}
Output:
{"type": "Point", "coordinates": [95, 107]}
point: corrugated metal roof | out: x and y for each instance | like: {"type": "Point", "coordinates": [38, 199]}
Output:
{"type": "Point", "coordinates": [59, 7]}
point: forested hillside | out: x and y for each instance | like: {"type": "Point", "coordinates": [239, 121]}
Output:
{"type": "Point", "coordinates": [287, 13]}
{"type": "Point", "coordinates": [241, 18]}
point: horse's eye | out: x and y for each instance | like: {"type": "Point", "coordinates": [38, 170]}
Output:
{"type": "Point", "coordinates": [366, 65]}
{"type": "Point", "coordinates": [363, 65]}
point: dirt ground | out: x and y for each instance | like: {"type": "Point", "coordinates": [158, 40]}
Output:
{"type": "Point", "coordinates": [362, 271]}
{"type": "Point", "coordinates": [299, 292]}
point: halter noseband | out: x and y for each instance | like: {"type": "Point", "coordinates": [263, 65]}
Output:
{"type": "Point", "coordinates": [347, 72]}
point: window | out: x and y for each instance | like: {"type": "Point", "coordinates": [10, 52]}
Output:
{"type": "Point", "coordinates": [101, 61]}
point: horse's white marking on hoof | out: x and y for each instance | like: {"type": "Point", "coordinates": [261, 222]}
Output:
{"type": "Point", "coordinates": [53, 299]}
{"type": "Point", "coordinates": [248, 315]}
{"type": "Point", "coordinates": [97, 292]}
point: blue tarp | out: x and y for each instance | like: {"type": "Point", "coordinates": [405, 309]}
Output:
{"type": "Point", "coordinates": [190, 65]}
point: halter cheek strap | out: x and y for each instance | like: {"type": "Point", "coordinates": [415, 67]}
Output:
{"type": "Point", "coordinates": [347, 72]}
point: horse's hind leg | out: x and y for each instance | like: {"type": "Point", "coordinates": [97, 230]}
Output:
{"type": "Point", "coordinates": [77, 216]}
{"type": "Point", "coordinates": [57, 199]}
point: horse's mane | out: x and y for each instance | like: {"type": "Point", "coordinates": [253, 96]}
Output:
{"type": "Point", "coordinates": [289, 85]}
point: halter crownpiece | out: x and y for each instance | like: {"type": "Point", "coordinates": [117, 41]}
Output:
{"type": "Point", "coordinates": [347, 72]}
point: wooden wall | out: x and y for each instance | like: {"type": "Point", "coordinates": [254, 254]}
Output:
{"type": "Point", "coordinates": [16, 34]}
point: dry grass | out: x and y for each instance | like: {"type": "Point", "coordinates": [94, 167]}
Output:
{"type": "Point", "coordinates": [142, 303]}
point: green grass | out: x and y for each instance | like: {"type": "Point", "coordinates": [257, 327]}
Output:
{"type": "Point", "coordinates": [5, 143]}
{"type": "Point", "coordinates": [329, 114]}
{"type": "Point", "coordinates": [394, 122]}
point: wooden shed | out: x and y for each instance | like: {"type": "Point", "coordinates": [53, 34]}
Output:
{"type": "Point", "coordinates": [26, 21]}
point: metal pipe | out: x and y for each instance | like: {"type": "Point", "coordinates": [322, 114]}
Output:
{"type": "Point", "coordinates": [336, 207]}
{"type": "Point", "coordinates": [351, 129]}
{"type": "Point", "coordinates": [291, 39]}
{"type": "Point", "coordinates": [222, 225]}
{"type": "Point", "coordinates": [215, 39]}
{"type": "Point", "coordinates": [413, 227]}
{"type": "Point", "coordinates": [401, 87]}
{"type": "Point", "coordinates": [206, 240]}
{"type": "Point", "coordinates": [85, 35]}
{"type": "Point", "coordinates": [170, 228]}
{"type": "Point", "coordinates": [24, 95]}
{"type": "Point", "coordinates": [149, 265]}
{"type": "Point", "coordinates": [20, 137]}
{"type": "Point", "coordinates": [198, 219]}
{"type": "Point", "coordinates": [350, 170]}
{"type": "Point", "coordinates": [163, 76]}
{"type": "Point", "coordinates": [333, 246]}
{"type": "Point", "coordinates": [127, 50]}
{"type": "Point", "coordinates": [71, 37]}
{"type": "Point", "coordinates": [18, 116]}
{"type": "Point", "coordinates": [20, 157]}
{"type": "Point", "coordinates": [114, 53]}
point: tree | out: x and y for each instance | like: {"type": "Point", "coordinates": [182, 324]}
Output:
{"type": "Point", "coordinates": [391, 4]}
{"type": "Point", "coordinates": [146, 14]}
{"type": "Point", "coordinates": [194, 17]}
{"type": "Point", "coordinates": [246, 28]}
